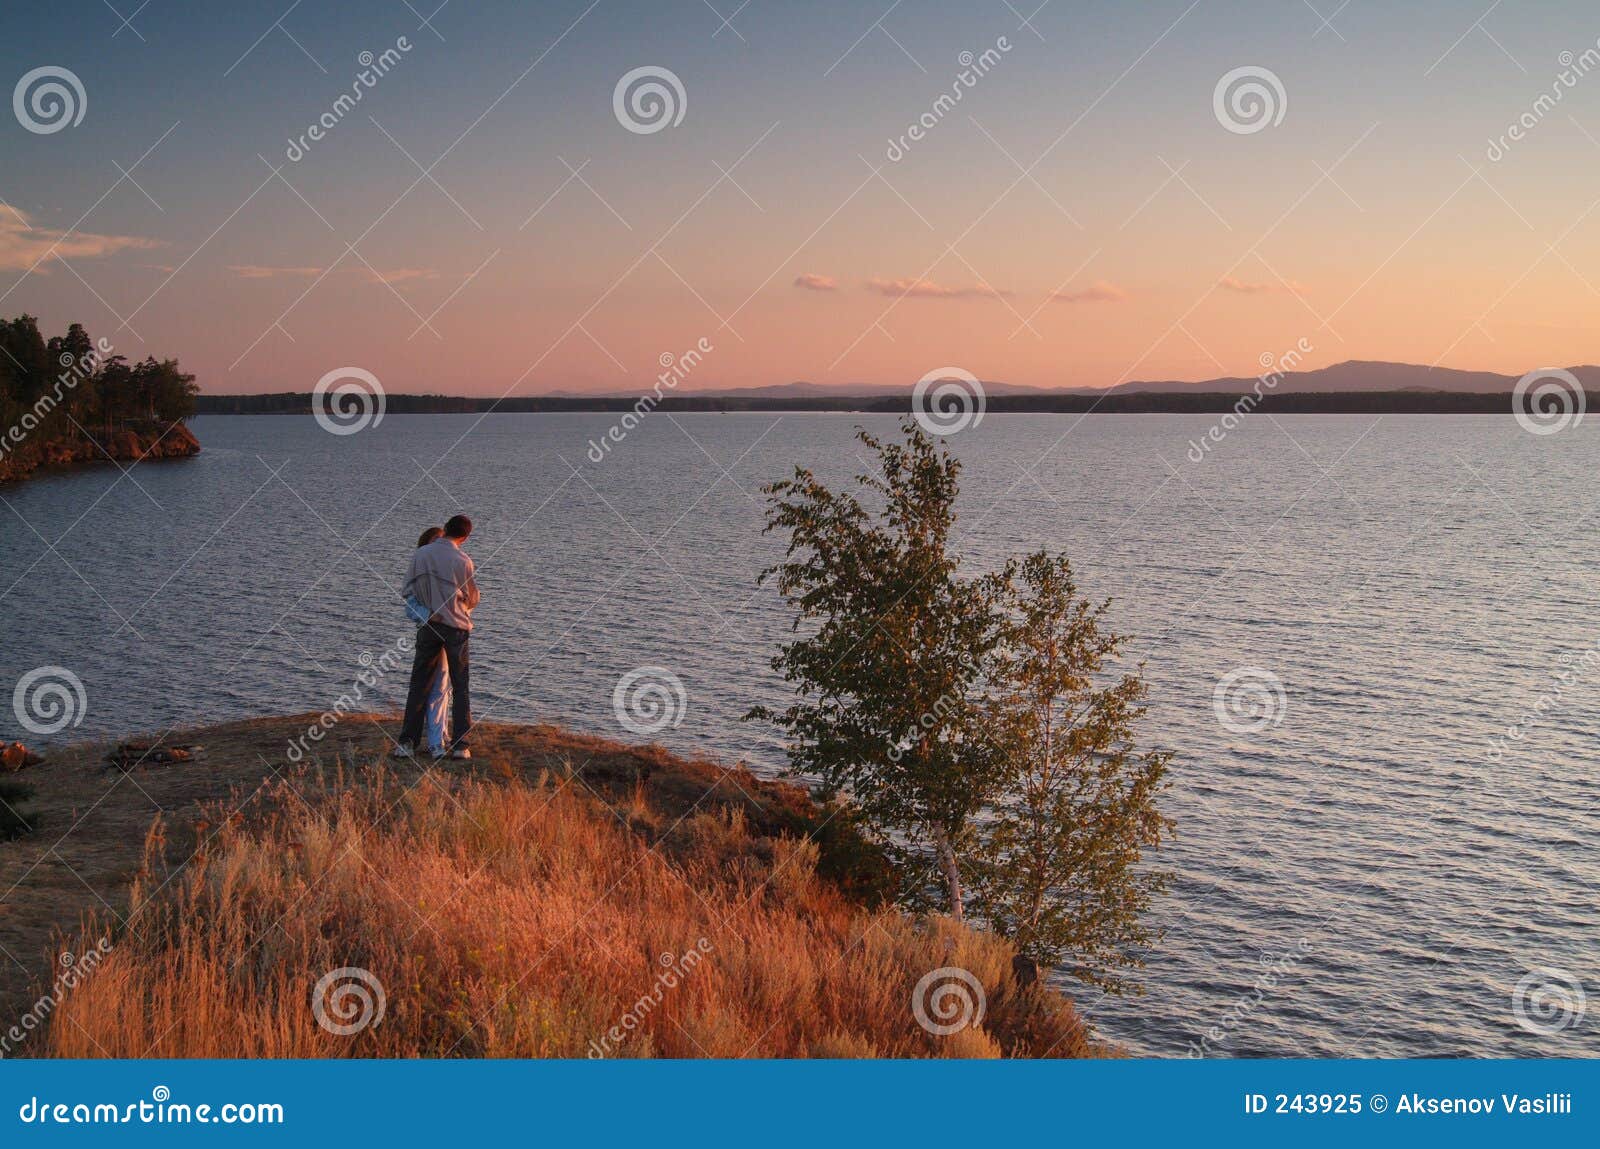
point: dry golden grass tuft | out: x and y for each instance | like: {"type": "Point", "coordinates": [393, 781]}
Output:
{"type": "Point", "coordinates": [517, 916]}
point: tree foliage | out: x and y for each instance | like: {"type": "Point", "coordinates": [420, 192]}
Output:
{"type": "Point", "coordinates": [69, 387]}
{"type": "Point", "coordinates": [964, 717]}
{"type": "Point", "coordinates": [888, 708]}
{"type": "Point", "coordinates": [1057, 868]}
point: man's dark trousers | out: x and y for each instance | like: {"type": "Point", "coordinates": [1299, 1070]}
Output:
{"type": "Point", "coordinates": [435, 640]}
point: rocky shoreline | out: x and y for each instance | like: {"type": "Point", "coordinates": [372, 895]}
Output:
{"type": "Point", "coordinates": [126, 445]}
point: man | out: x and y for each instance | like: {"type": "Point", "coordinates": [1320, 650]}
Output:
{"type": "Point", "coordinates": [442, 579]}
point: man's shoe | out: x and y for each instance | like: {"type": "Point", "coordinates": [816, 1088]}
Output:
{"type": "Point", "coordinates": [401, 750]}
{"type": "Point", "coordinates": [461, 753]}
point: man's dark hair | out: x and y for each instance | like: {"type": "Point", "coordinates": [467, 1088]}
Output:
{"type": "Point", "coordinates": [459, 527]}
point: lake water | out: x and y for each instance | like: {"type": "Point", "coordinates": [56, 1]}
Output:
{"type": "Point", "coordinates": [1370, 876]}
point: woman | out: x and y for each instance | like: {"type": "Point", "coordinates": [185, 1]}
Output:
{"type": "Point", "coordinates": [438, 712]}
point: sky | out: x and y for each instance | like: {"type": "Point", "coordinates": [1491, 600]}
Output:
{"type": "Point", "coordinates": [1094, 208]}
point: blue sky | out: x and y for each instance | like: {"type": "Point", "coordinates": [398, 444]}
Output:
{"type": "Point", "coordinates": [1259, 239]}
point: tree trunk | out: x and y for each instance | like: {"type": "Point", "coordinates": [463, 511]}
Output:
{"type": "Point", "coordinates": [952, 871]}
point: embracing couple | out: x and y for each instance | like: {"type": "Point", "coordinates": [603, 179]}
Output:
{"type": "Point", "coordinates": [441, 592]}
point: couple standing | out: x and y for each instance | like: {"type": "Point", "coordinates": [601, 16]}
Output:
{"type": "Point", "coordinates": [441, 592]}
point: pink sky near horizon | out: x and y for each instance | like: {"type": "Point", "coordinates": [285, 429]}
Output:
{"type": "Point", "coordinates": [1082, 218]}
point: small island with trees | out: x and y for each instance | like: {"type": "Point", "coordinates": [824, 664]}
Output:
{"type": "Point", "coordinates": [70, 399]}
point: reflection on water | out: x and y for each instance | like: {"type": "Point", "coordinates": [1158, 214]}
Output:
{"type": "Point", "coordinates": [1372, 875]}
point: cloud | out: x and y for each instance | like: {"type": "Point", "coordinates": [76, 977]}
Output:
{"type": "Point", "coordinates": [398, 274]}
{"type": "Point", "coordinates": [927, 289]}
{"type": "Point", "coordinates": [257, 271]}
{"type": "Point", "coordinates": [1246, 287]}
{"type": "Point", "coordinates": [1100, 291]}
{"type": "Point", "coordinates": [23, 244]}
{"type": "Point", "coordinates": [814, 282]}
{"type": "Point", "coordinates": [371, 275]}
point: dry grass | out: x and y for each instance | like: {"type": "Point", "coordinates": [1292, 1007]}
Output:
{"type": "Point", "coordinates": [518, 916]}
{"type": "Point", "coordinates": [92, 818]}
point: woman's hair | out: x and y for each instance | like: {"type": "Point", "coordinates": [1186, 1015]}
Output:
{"type": "Point", "coordinates": [429, 535]}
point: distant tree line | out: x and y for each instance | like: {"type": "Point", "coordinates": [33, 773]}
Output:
{"type": "Point", "coordinates": [1133, 402]}
{"type": "Point", "coordinates": [300, 403]}
{"type": "Point", "coordinates": [70, 387]}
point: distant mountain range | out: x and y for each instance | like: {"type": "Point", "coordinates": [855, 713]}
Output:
{"type": "Point", "coordinates": [804, 389]}
{"type": "Point", "coordinates": [1355, 386]}
{"type": "Point", "coordinates": [1339, 379]}
{"type": "Point", "coordinates": [1369, 375]}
